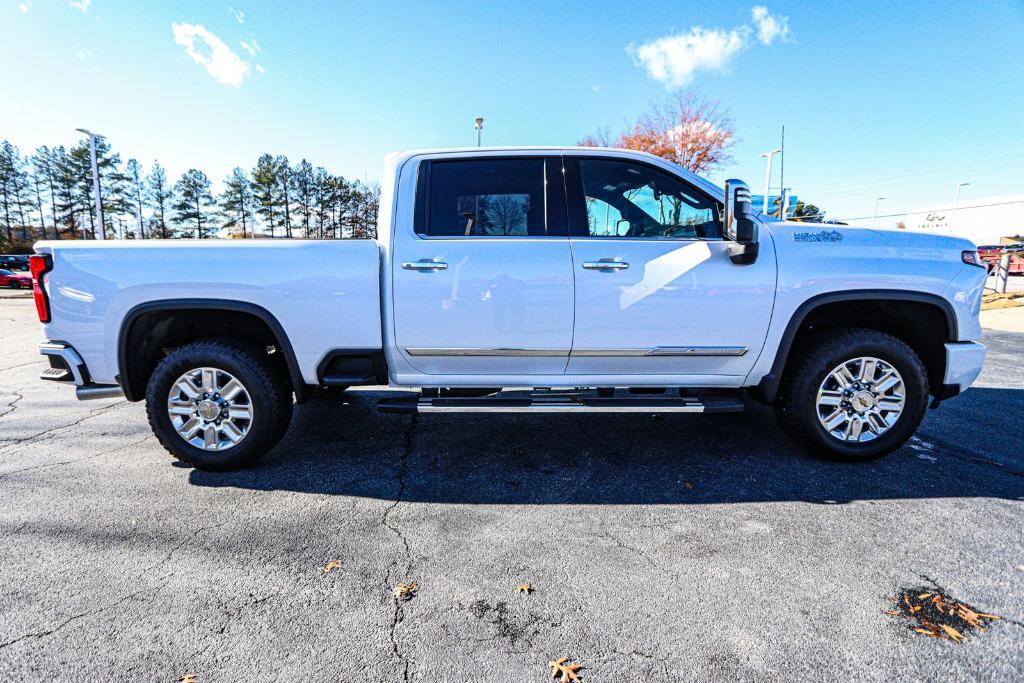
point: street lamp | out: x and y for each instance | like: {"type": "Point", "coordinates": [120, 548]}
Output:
{"type": "Point", "coordinates": [874, 211]}
{"type": "Point", "coordinates": [768, 176]}
{"type": "Point", "coordinates": [95, 182]}
{"type": "Point", "coordinates": [479, 126]}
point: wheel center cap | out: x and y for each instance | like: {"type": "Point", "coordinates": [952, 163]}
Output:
{"type": "Point", "coordinates": [209, 410]}
{"type": "Point", "coordinates": [862, 400]}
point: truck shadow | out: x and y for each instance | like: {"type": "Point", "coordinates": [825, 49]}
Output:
{"type": "Point", "coordinates": [343, 446]}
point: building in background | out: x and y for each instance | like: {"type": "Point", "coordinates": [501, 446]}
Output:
{"type": "Point", "coordinates": [983, 220]}
{"type": "Point", "coordinates": [757, 201]}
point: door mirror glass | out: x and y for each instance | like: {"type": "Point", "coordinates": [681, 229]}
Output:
{"type": "Point", "coordinates": [738, 225]}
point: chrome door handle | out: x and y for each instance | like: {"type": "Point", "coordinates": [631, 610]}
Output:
{"type": "Point", "coordinates": [424, 264]}
{"type": "Point", "coordinates": [605, 265]}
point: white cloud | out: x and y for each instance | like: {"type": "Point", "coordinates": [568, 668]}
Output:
{"type": "Point", "coordinates": [83, 54]}
{"type": "Point", "coordinates": [238, 14]}
{"type": "Point", "coordinates": [24, 6]}
{"type": "Point", "coordinates": [260, 69]}
{"type": "Point", "coordinates": [674, 59]}
{"type": "Point", "coordinates": [769, 28]}
{"type": "Point", "coordinates": [252, 47]}
{"type": "Point", "coordinates": [80, 5]}
{"type": "Point", "coordinates": [212, 53]}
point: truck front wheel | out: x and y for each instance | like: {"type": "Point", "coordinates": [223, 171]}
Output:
{"type": "Point", "coordinates": [853, 394]}
{"type": "Point", "coordinates": [215, 406]}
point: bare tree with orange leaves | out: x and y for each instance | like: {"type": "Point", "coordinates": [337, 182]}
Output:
{"type": "Point", "coordinates": [689, 130]}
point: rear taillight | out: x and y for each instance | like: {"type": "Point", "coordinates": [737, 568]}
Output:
{"type": "Point", "coordinates": [40, 265]}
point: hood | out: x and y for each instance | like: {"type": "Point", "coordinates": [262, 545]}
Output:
{"type": "Point", "coordinates": [898, 239]}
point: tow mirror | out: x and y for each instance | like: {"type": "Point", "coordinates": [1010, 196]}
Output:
{"type": "Point", "coordinates": [738, 223]}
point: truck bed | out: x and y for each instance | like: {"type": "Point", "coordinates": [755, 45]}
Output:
{"type": "Point", "coordinates": [325, 293]}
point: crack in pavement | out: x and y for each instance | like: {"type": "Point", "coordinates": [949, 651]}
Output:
{"type": "Point", "coordinates": [13, 405]}
{"type": "Point", "coordinates": [9, 443]}
{"type": "Point", "coordinates": [22, 365]}
{"type": "Point", "coordinates": [4, 475]}
{"type": "Point", "coordinates": [403, 471]}
{"type": "Point", "coordinates": [638, 552]}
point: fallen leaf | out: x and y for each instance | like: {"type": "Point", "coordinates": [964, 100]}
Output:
{"type": "Point", "coordinates": [405, 591]}
{"type": "Point", "coordinates": [937, 615]}
{"type": "Point", "coordinates": [524, 588]}
{"type": "Point", "coordinates": [188, 678]}
{"type": "Point", "coordinates": [952, 633]}
{"type": "Point", "coordinates": [688, 485]}
{"type": "Point", "coordinates": [332, 565]}
{"type": "Point", "coordinates": [564, 672]}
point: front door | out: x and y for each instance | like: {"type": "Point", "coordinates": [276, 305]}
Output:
{"type": "Point", "coordinates": [656, 293]}
{"type": "Point", "coordinates": [483, 282]}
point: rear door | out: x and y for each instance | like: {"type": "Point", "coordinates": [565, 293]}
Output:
{"type": "Point", "coordinates": [483, 280]}
{"type": "Point", "coordinates": [656, 292]}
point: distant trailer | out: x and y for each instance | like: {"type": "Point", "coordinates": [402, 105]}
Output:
{"type": "Point", "coordinates": [983, 220]}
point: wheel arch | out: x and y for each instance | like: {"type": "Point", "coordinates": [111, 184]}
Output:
{"type": "Point", "coordinates": [815, 313]}
{"type": "Point", "coordinates": [132, 374]}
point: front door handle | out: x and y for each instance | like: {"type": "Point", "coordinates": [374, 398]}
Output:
{"type": "Point", "coordinates": [424, 264]}
{"type": "Point", "coordinates": [605, 264]}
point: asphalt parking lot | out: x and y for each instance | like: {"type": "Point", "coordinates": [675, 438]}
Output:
{"type": "Point", "coordinates": [659, 548]}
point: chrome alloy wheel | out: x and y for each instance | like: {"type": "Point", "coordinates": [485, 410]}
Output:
{"type": "Point", "coordinates": [210, 409]}
{"type": "Point", "coordinates": [860, 399]}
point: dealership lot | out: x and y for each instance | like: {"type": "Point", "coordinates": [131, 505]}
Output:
{"type": "Point", "coordinates": [659, 547]}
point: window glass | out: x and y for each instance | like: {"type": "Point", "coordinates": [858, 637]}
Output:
{"type": "Point", "coordinates": [624, 199]}
{"type": "Point", "coordinates": [488, 198]}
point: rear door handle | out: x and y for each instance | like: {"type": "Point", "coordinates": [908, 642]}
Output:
{"type": "Point", "coordinates": [424, 264]}
{"type": "Point", "coordinates": [605, 264]}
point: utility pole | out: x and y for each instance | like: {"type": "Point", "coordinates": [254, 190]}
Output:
{"type": "Point", "coordinates": [479, 127]}
{"type": "Point", "coordinates": [874, 211]}
{"type": "Point", "coordinates": [768, 176]}
{"type": "Point", "coordinates": [102, 234]}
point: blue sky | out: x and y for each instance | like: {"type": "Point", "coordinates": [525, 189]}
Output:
{"type": "Point", "coordinates": [878, 99]}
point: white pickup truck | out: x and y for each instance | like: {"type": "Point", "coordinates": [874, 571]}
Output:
{"type": "Point", "coordinates": [525, 279]}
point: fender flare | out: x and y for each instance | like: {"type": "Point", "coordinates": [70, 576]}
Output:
{"type": "Point", "coordinates": [302, 391]}
{"type": "Point", "coordinates": [768, 388]}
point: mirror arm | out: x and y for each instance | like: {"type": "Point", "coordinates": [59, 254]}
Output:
{"type": "Point", "coordinates": [743, 254]}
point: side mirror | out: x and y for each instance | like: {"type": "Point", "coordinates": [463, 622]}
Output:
{"type": "Point", "coordinates": [738, 223]}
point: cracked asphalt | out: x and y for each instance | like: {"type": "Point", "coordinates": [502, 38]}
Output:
{"type": "Point", "coordinates": [660, 547]}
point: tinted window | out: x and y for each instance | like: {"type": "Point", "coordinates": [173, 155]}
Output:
{"type": "Point", "coordinates": [5, 272]}
{"type": "Point", "coordinates": [489, 197]}
{"type": "Point", "coordinates": [625, 199]}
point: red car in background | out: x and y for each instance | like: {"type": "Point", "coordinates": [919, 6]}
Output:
{"type": "Point", "coordinates": [15, 280]}
{"type": "Point", "coordinates": [992, 253]}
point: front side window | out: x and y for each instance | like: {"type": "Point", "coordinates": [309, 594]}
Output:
{"type": "Point", "coordinates": [625, 199]}
{"type": "Point", "coordinates": [484, 198]}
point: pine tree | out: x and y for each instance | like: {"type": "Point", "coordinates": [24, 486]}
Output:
{"type": "Point", "coordinates": [134, 172]}
{"type": "Point", "coordinates": [302, 182]}
{"type": "Point", "coordinates": [193, 202]}
{"type": "Point", "coordinates": [158, 192]}
{"type": "Point", "coordinates": [236, 201]}
{"type": "Point", "coordinates": [264, 187]}
{"type": "Point", "coordinates": [7, 154]}
{"type": "Point", "coordinates": [284, 187]}
{"type": "Point", "coordinates": [69, 205]}
{"type": "Point", "coordinates": [45, 170]}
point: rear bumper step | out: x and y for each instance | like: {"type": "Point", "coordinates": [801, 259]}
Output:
{"type": "Point", "coordinates": [555, 402]}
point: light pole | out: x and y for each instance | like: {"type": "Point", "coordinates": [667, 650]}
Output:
{"type": "Point", "coordinates": [768, 176]}
{"type": "Point", "coordinates": [479, 127]}
{"type": "Point", "coordinates": [95, 182]}
{"type": "Point", "coordinates": [874, 211]}
{"type": "Point", "coordinates": [956, 196]}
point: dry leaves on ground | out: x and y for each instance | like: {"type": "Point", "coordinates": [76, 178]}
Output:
{"type": "Point", "coordinates": [564, 672]}
{"type": "Point", "coordinates": [525, 588]}
{"type": "Point", "coordinates": [332, 565]}
{"type": "Point", "coordinates": [937, 615]}
{"type": "Point", "coordinates": [406, 591]}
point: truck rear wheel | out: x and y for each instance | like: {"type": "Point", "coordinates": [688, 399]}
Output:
{"type": "Point", "coordinates": [853, 394]}
{"type": "Point", "coordinates": [215, 406]}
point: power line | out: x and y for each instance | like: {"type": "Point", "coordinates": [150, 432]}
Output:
{"type": "Point", "coordinates": [958, 208]}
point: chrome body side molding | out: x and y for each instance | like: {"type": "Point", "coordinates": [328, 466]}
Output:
{"type": "Point", "coordinates": [656, 351]}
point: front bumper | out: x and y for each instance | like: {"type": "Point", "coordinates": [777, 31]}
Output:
{"type": "Point", "coordinates": [963, 365]}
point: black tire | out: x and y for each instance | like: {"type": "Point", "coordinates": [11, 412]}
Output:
{"type": "Point", "coordinates": [796, 406]}
{"type": "Point", "coordinates": [14, 284]}
{"type": "Point", "coordinates": [272, 405]}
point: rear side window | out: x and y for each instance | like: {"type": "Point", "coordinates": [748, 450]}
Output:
{"type": "Point", "coordinates": [482, 198]}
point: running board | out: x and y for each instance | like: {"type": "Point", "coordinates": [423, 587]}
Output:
{"type": "Point", "coordinates": [555, 402]}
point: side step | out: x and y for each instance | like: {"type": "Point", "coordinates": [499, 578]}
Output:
{"type": "Point", "coordinates": [559, 402]}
